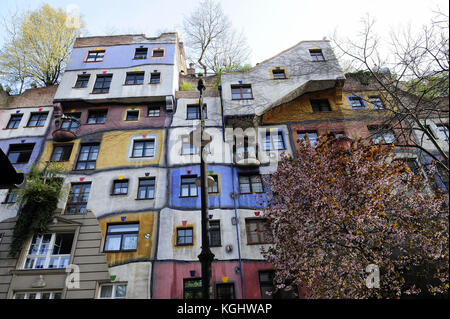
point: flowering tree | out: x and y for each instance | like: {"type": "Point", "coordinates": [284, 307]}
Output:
{"type": "Point", "coordinates": [333, 212]}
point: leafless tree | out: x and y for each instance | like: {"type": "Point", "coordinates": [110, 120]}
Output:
{"type": "Point", "coordinates": [210, 39]}
{"type": "Point", "coordinates": [413, 79]}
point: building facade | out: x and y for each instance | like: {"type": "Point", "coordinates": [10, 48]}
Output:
{"type": "Point", "coordinates": [129, 222]}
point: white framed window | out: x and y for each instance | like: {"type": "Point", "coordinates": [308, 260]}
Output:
{"type": "Point", "coordinates": [274, 141]}
{"type": "Point", "coordinates": [113, 291]}
{"type": "Point", "coordinates": [38, 295]}
{"type": "Point", "coordinates": [49, 251]}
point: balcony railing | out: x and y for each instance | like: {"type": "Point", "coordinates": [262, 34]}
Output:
{"type": "Point", "coordinates": [66, 128]}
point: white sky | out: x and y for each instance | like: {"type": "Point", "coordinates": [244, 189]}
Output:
{"type": "Point", "coordinates": [270, 25]}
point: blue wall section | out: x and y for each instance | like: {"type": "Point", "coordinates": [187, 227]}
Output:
{"type": "Point", "coordinates": [222, 200]}
{"type": "Point", "coordinates": [24, 168]}
{"type": "Point", "coordinates": [121, 56]}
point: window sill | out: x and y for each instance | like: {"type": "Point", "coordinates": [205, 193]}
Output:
{"type": "Point", "coordinates": [132, 84]}
{"type": "Point", "coordinates": [144, 198]}
{"type": "Point", "coordinates": [33, 272]}
{"type": "Point", "coordinates": [119, 194]}
{"type": "Point", "coordinates": [249, 99]}
{"type": "Point", "coordinates": [120, 251]}
{"type": "Point", "coordinates": [154, 83]}
{"type": "Point", "coordinates": [79, 87]}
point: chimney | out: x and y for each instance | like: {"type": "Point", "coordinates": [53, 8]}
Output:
{"type": "Point", "coordinates": [191, 70]}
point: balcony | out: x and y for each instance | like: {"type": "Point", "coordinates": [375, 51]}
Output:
{"type": "Point", "coordinates": [66, 128]}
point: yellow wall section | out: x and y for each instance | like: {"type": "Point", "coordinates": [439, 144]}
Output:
{"type": "Point", "coordinates": [115, 145]}
{"type": "Point", "coordinates": [113, 150]}
{"type": "Point", "coordinates": [145, 248]}
{"type": "Point", "coordinates": [300, 108]}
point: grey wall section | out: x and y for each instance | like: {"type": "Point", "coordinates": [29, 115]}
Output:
{"type": "Point", "coordinates": [86, 254]}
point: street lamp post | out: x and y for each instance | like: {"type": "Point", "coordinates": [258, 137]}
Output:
{"type": "Point", "coordinates": [206, 256]}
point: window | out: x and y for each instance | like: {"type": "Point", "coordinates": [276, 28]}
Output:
{"type": "Point", "coordinates": [316, 55]}
{"type": "Point", "coordinates": [381, 133]}
{"type": "Point", "coordinates": [95, 56]}
{"type": "Point", "coordinates": [82, 81]}
{"type": "Point", "coordinates": [241, 92]}
{"type": "Point", "coordinates": [214, 189]}
{"type": "Point", "coordinates": [188, 186]}
{"type": "Point", "coordinates": [134, 78]}
{"type": "Point", "coordinates": [97, 116]}
{"type": "Point", "coordinates": [266, 283]}
{"type": "Point", "coordinates": [140, 53]}
{"type": "Point", "coordinates": [102, 84]}
{"type": "Point", "coordinates": [312, 136]}
{"type": "Point", "coordinates": [185, 236]}
{"type": "Point", "coordinates": [255, 229]}
{"type": "Point", "coordinates": [274, 141]}
{"type": "Point", "coordinates": [155, 78]}
{"type": "Point", "coordinates": [71, 122]}
{"type": "Point", "coordinates": [443, 131]}
{"type": "Point", "coordinates": [78, 198]}
{"type": "Point", "coordinates": [278, 74]}
{"type": "Point", "coordinates": [14, 121]}
{"type": "Point", "coordinates": [121, 237]}
{"type": "Point", "coordinates": [49, 251]}
{"type": "Point", "coordinates": [38, 295]}
{"type": "Point", "coordinates": [37, 119]}
{"type": "Point", "coordinates": [154, 109]}
{"type": "Point", "coordinates": [158, 53]}
{"type": "Point", "coordinates": [11, 196]}
{"type": "Point", "coordinates": [20, 153]}
{"type": "Point", "coordinates": [356, 102]}
{"type": "Point", "coordinates": [120, 187]}
{"type": "Point", "coordinates": [143, 148]}
{"type": "Point", "coordinates": [192, 288]}
{"type": "Point", "coordinates": [376, 102]}
{"type": "Point", "coordinates": [250, 184]}
{"type": "Point", "coordinates": [113, 291]}
{"type": "Point", "coordinates": [214, 233]}
{"type": "Point", "coordinates": [132, 115]}
{"type": "Point", "coordinates": [320, 105]}
{"type": "Point", "coordinates": [187, 148]}
{"type": "Point", "coordinates": [146, 188]}
{"type": "Point", "coordinates": [61, 153]}
{"type": "Point", "coordinates": [88, 157]}
{"type": "Point", "coordinates": [193, 111]}
{"type": "Point", "coordinates": [225, 291]}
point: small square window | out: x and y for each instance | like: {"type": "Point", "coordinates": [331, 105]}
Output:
{"type": "Point", "coordinates": [82, 81]}
{"type": "Point", "coordinates": [97, 116]}
{"type": "Point", "coordinates": [132, 115]}
{"type": "Point", "coordinates": [312, 137]}
{"type": "Point", "coordinates": [192, 288]}
{"type": "Point", "coordinates": [376, 102]}
{"type": "Point", "coordinates": [193, 111]}
{"type": "Point", "coordinates": [356, 102]}
{"type": "Point", "coordinates": [188, 186]}
{"type": "Point", "coordinates": [241, 92]}
{"type": "Point", "coordinates": [102, 83]}
{"type": "Point", "coordinates": [143, 148]}
{"type": "Point", "coordinates": [155, 78]}
{"type": "Point", "coordinates": [320, 105]}
{"type": "Point", "coordinates": [120, 187]}
{"type": "Point", "coordinates": [95, 56]}
{"type": "Point", "coordinates": [122, 237]}
{"type": "Point", "coordinates": [185, 236]}
{"type": "Point", "coordinates": [71, 121]}
{"type": "Point", "coordinates": [279, 74]}
{"type": "Point", "coordinates": [316, 55]}
{"type": "Point", "coordinates": [14, 121]}
{"type": "Point", "coordinates": [225, 291]}
{"type": "Point", "coordinates": [61, 153]}
{"type": "Point", "coordinates": [146, 189]}
{"type": "Point", "coordinates": [158, 53]}
{"type": "Point", "coordinates": [134, 78]}
{"type": "Point", "coordinates": [250, 184]}
{"type": "Point", "coordinates": [140, 53]}
{"type": "Point", "coordinates": [87, 157]}
{"type": "Point", "coordinates": [214, 189]}
{"type": "Point", "coordinates": [114, 291]}
{"type": "Point", "coordinates": [78, 198]}
{"type": "Point", "coordinates": [256, 231]}
{"type": "Point", "coordinates": [37, 119]}
{"type": "Point", "coordinates": [20, 153]}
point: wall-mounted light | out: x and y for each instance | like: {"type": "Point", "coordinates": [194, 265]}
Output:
{"type": "Point", "coordinates": [233, 220]}
{"type": "Point", "coordinates": [229, 248]}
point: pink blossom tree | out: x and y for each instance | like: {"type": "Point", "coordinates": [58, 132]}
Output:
{"type": "Point", "coordinates": [333, 212]}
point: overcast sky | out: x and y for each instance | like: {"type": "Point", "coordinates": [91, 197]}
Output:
{"type": "Point", "coordinates": [270, 26]}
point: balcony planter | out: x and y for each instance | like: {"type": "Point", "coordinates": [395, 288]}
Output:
{"type": "Point", "coordinates": [62, 135]}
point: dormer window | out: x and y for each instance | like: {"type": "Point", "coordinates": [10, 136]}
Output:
{"type": "Point", "coordinates": [141, 53]}
{"type": "Point", "coordinates": [316, 55]}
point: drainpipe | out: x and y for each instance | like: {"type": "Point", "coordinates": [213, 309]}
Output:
{"type": "Point", "coordinates": [234, 199]}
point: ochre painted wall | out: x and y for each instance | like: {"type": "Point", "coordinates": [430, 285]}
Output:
{"type": "Point", "coordinates": [300, 108]}
{"type": "Point", "coordinates": [146, 246]}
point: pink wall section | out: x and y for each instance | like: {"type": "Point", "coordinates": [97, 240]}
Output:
{"type": "Point", "coordinates": [168, 277]}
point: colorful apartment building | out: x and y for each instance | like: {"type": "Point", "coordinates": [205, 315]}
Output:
{"type": "Point", "coordinates": [129, 223]}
